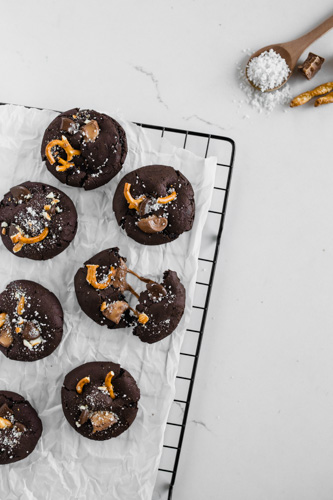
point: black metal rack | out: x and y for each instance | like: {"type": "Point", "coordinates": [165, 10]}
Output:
{"type": "Point", "coordinates": [224, 148]}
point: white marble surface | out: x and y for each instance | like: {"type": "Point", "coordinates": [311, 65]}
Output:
{"type": "Point", "coordinates": [261, 420]}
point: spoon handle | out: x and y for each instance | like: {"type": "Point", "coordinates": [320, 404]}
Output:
{"type": "Point", "coordinates": [300, 44]}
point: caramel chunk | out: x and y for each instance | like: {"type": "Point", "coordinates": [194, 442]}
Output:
{"type": "Point", "coordinates": [30, 331]}
{"type": "Point", "coordinates": [68, 125]}
{"type": "Point", "coordinates": [143, 318]}
{"type": "Point", "coordinates": [5, 411]}
{"type": "Point", "coordinates": [145, 207]}
{"type": "Point", "coordinates": [311, 65]}
{"type": "Point", "coordinates": [156, 291]}
{"type": "Point", "coordinates": [102, 420]}
{"type": "Point", "coordinates": [20, 427]}
{"type": "Point", "coordinates": [84, 416]}
{"type": "Point", "coordinates": [90, 131]}
{"type": "Point", "coordinates": [152, 224]}
{"type": "Point", "coordinates": [119, 279]}
{"type": "Point", "coordinates": [114, 311]}
{"type": "Point", "coordinates": [20, 193]}
{"type": "Point", "coordinates": [6, 337]}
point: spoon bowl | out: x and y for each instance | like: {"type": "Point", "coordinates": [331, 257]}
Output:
{"type": "Point", "coordinates": [291, 51]}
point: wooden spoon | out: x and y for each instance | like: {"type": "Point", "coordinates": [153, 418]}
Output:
{"type": "Point", "coordinates": [291, 51]}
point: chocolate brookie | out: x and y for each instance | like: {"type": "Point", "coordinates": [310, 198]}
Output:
{"type": "Point", "coordinates": [37, 221]}
{"type": "Point", "coordinates": [84, 148]}
{"type": "Point", "coordinates": [103, 293]}
{"type": "Point", "coordinates": [31, 321]}
{"type": "Point", "coordinates": [154, 204]}
{"type": "Point", "coordinates": [100, 400]}
{"type": "Point", "coordinates": [20, 428]}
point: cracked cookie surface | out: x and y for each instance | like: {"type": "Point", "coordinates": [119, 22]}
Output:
{"type": "Point", "coordinates": [100, 150]}
{"type": "Point", "coordinates": [104, 295]}
{"type": "Point", "coordinates": [20, 428]}
{"type": "Point", "coordinates": [40, 215]}
{"type": "Point", "coordinates": [154, 204]}
{"type": "Point", "coordinates": [32, 321]}
{"type": "Point", "coordinates": [93, 413]}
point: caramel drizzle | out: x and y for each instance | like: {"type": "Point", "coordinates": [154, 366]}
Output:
{"type": "Point", "coordinates": [142, 317]}
{"type": "Point", "coordinates": [145, 280]}
{"type": "Point", "coordinates": [92, 280]}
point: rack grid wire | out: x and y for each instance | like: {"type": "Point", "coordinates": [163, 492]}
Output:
{"type": "Point", "coordinates": [224, 149]}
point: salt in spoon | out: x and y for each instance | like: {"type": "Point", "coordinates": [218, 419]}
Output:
{"type": "Point", "coordinates": [291, 51]}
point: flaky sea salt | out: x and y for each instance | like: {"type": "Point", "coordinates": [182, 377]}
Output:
{"type": "Point", "coordinates": [263, 101]}
{"type": "Point", "coordinates": [268, 70]}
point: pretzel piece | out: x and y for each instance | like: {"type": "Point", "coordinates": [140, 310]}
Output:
{"type": "Point", "coordinates": [132, 202]}
{"type": "Point", "coordinates": [108, 384]}
{"type": "Point", "coordinates": [306, 96]}
{"type": "Point", "coordinates": [167, 199]}
{"type": "Point", "coordinates": [326, 99]}
{"type": "Point", "coordinates": [81, 383]}
{"type": "Point", "coordinates": [92, 279]}
{"type": "Point", "coordinates": [70, 152]}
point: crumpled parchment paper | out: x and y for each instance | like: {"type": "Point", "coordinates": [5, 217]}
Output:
{"type": "Point", "coordinates": [65, 465]}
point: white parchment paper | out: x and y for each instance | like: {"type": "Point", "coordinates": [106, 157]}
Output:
{"type": "Point", "coordinates": [65, 465]}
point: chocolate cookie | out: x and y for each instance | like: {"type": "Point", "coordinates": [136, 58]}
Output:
{"type": "Point", "coordinates": [101, 286]}
{"type": "Point", "coordinates": [20, 428]}
{"type": "Point", "coordinates": [37, 221]}
{"type": "Point", "coordinates": [100, 400]}
{"type": "Point", "coordinates": [164, 305]}
{"type": "Point", "coordinates": [84, 148]}
{"type": "Point", "coordinates": [154, 204]}
{"type": "Point", "coordinates": [31, 321]}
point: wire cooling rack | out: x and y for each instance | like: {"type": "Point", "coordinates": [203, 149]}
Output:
{"type": "Point", "coordinates": [224, 149]}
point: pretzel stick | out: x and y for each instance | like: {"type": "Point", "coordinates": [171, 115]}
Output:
{"type": "Point", "coordinates": [324, 100]}
{"type": "Point", "coordinates": [306, 96]}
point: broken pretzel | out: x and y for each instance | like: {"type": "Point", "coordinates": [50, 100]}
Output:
{"type": "Point", "coordinates": [318, 91]}
{"type": "Point", "coordinates": [92, 278]}
{"type": "Point", "coordinates": [21, 240]}
{"type": "Point", "coordinates": [70, 152]}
